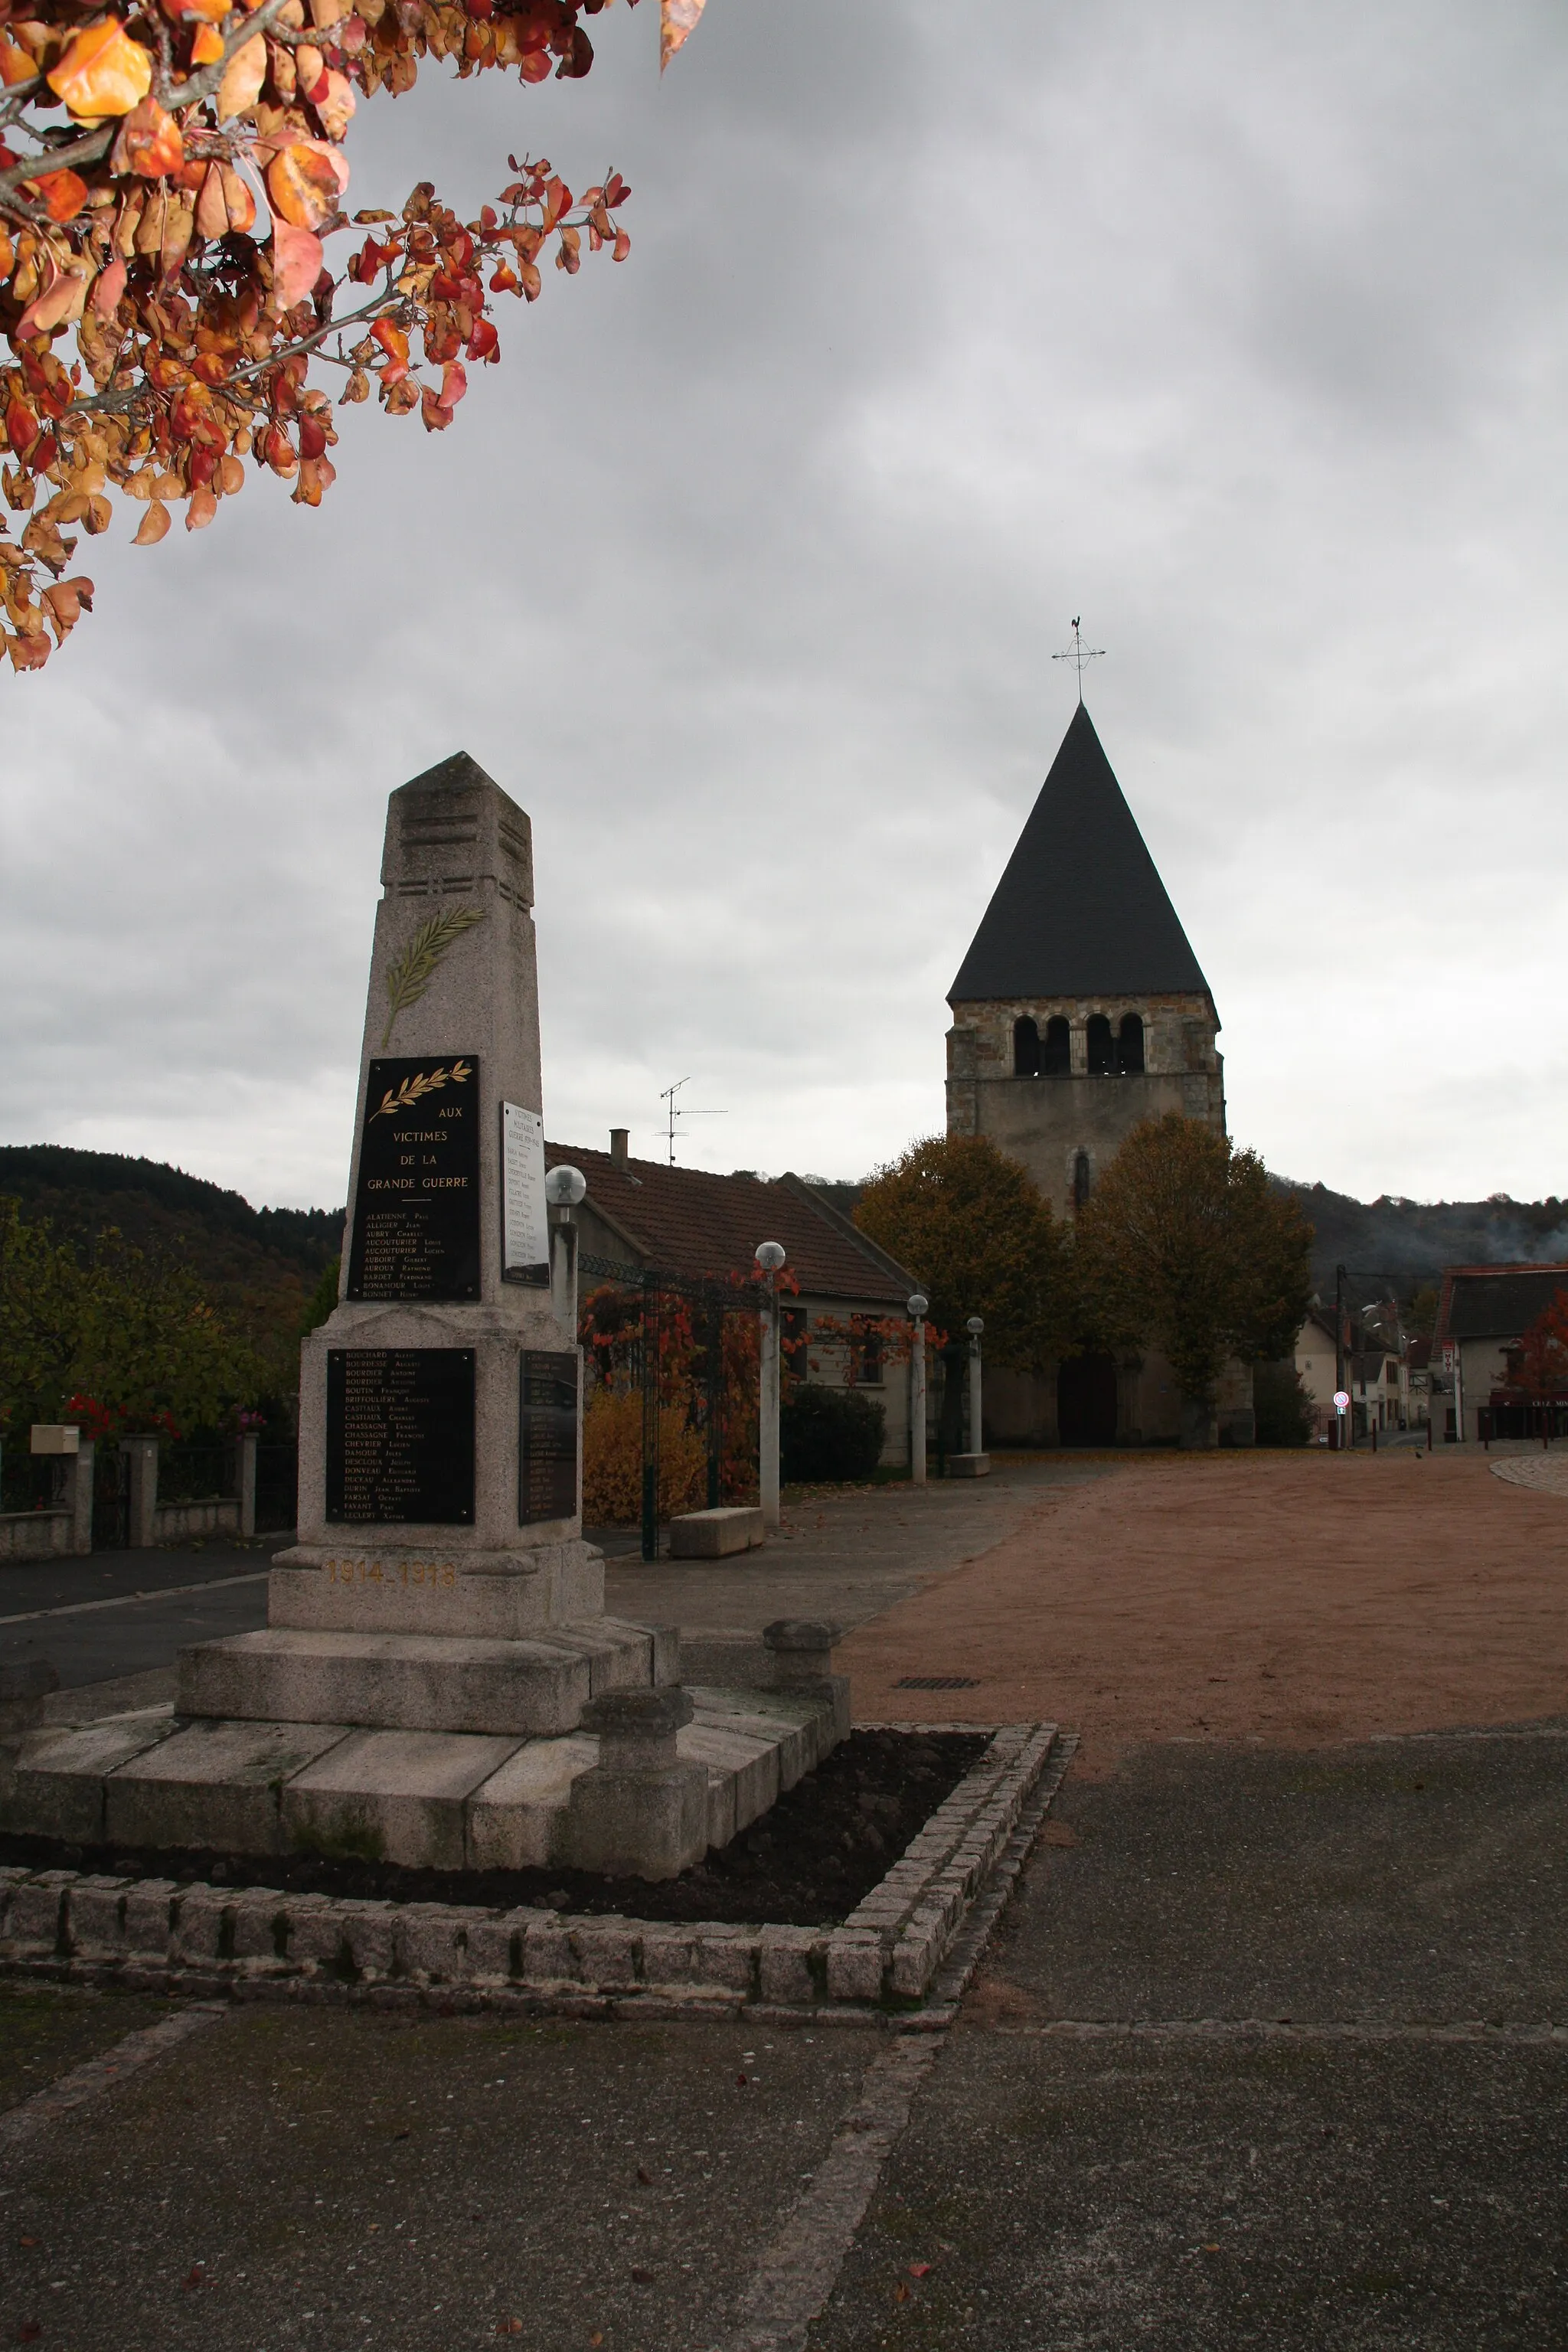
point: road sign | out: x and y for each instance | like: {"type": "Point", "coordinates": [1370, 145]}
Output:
{"type": "Point", "coordinates": [1341, 1401]}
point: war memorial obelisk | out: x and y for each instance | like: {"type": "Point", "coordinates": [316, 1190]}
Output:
{"type": "Point", "coordinates": [437, 1682]}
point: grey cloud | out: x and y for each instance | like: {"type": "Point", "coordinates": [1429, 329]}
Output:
{"type": "Point", "coordinates": [1238, 331]}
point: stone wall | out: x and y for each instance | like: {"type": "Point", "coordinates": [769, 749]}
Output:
{"type": "Point", "coordinates": [34, 1535]}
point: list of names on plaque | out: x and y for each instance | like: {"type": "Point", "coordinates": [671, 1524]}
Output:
{"type": "Point", "coordinates": [417, 1203]}
{"type": "Point", "coordinates": [547, 1436]}
{"type": "Point", "coordinates": [525, 1225]}
{"type": "Point", "coordinates": [400, 1435]}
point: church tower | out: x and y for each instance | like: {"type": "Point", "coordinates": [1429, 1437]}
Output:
{"type": "Point", "coordinates": [1080, 1008]}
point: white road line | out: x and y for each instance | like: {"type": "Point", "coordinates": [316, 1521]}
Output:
{"type": "Point", "coordinates": [797, 2274]}
{"type": "Point", "coordinates": [98, 2074]}
{"type": "Point", "coordinates": [1472, 2030]}
{"type": "Point", "coordinates": [128, 1599]}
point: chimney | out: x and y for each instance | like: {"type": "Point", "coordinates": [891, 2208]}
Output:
{"type": "Point", "coordinates": [620, 1136]}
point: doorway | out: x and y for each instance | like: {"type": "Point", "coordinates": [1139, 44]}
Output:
{"type": "Point", "coordinates": [1086, 1401]}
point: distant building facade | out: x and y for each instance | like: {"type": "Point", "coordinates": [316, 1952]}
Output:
{"type": "Point", "coordinates": [1079, 1010]}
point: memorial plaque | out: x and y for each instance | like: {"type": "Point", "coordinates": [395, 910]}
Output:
{"type": "Point", "coordinates": [547, 1436]}
{"type": "Point", "coordinates": [525, 1222]}
{"type": "Point", "coordinates": [400, 1435]}
{"type": "Point", "coordinates": [417, 1206]}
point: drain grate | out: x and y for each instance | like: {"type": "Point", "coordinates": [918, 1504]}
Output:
{"type": "Point", "coordinates": [937, 1682]}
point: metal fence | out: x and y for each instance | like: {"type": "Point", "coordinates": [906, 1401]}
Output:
{"type": "Point", "coordinates": [31, 1482]}
{"type": "Point", "coordinates": [198, 1473]}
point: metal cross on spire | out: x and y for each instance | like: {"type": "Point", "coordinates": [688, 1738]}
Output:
{"type": "Point", "coordinates": [1077, 653]}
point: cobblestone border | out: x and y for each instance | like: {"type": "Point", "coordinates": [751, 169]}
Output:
{"type": "Point", "coordinates": [258, 1943]}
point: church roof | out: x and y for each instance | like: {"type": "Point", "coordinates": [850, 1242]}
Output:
{"type": "Point", "coordinates": [1080, 909]}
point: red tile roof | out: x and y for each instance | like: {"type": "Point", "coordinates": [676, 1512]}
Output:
{"type": "Point", "coordinates": [689, 1222]}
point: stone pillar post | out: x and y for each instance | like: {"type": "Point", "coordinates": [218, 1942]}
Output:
{"type": "Point", "coordinates": [800, 1658]}
{"type": "Point", "coordinates": [976, 1423]}
{"type": "Point", "coordinates": [142, 1455]}
{"type": "Point", "coordinates": [78, 1497]}
{"type": "Point", "coordinates": [770, 1256]}
{"type": "Point", "coordinates": [641, 1811]}
{"type": "Point", "coordinates": [918, 1400]}
{"type": "Point", "coordinates": [249, 1444]}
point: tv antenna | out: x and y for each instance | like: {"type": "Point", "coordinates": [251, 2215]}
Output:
{"type": "Point", "coordinates": [1077, 653]}
{"type": "Point", "coordinates": [679, 1111]}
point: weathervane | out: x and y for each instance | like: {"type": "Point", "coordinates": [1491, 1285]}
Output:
{"type": "Point", "coordinates": [1077, 653]}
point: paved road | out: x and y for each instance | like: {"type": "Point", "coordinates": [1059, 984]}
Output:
{"type": "Point", "coordinates": [90, 1619]}
{"type": "Point", "coordinates": [1269, 2052]}
{"type": "Point", "coordinates": [847, 1556]}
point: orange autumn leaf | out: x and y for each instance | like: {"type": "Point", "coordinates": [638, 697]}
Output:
{"type": "Point", "coordinates": [304, 185]}
{"type": "Point", "coordinates": [150, 145]}
{"type": "Point", "coordinates": [677, 20]}
{"type": "Point", "coordinates": [16, 64]}
{"type": "Point", "coordinates": [102, 72]}
{"type": "Point", "coordinates": [224, 203]}
{"type": "Point", "coordinates": [154, 525]}
{"type": "Point", "coordinates": [202, 509]}
{"type": "Point", "coordinates": [206, 46]}
{"type": "Point", "coordinates": [242, 79]}
{"type": "Point", "coordinates": [63, 193]}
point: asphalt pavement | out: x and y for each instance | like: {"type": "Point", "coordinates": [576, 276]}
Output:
{"type": "Point", "coordinates": [1270, 2050]}
{"type": "Point", "coordinates": [115, 1614]}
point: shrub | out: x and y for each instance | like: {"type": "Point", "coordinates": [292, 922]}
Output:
{"type": "Point", "coordinates": [1282, 1405]}
{"type": "Point", "coordinates": [829, 1434]}
{"type": "Point", "coordinates": [612, 1460]}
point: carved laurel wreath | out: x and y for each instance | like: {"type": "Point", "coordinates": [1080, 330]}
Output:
{"type": "Point", "coordinates": [410, 976]}
{"type": "Point", "coordinates": [423, 1082]}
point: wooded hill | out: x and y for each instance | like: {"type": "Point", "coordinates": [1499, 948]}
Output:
{"type": "Point", "coordinates": [260, 1266]}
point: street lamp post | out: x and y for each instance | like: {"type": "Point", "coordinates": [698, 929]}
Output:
{"type": "Point", "coordinates": [917, 1304]}
{"type": "Point", "coordinates": [770, 1256]}
{"type": "Point", "coordinates": [565, 1190]}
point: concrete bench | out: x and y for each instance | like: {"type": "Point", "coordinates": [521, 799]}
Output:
{"type": "Point", "coordinates": [715, 1535]}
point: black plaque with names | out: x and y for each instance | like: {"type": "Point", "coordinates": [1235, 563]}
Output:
{"type": "Point", "coordinates": [400, 1435]}
{"type": "Point", "coordinates": [416, 1205]}
{"type": "Point", "coordinates": [547, 1436]}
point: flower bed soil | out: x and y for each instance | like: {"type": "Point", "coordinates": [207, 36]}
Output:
{"type": "Point", "coordinates": [805, 1863]}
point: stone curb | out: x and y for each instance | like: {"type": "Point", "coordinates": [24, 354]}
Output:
{"type": "Point", "coordinates": [258, 1943]}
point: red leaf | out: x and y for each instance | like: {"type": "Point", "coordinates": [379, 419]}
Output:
{"type": "Point", "coordinates": [295, 262]}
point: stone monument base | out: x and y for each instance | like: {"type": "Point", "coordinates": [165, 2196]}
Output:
{"type": "Point", "coordinates": [450, 1801]}
{"type": "Point", "coordinates": [652, 1776]}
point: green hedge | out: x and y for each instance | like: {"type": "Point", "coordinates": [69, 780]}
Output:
{"type": "Point", "coordinates": [829, 1434]}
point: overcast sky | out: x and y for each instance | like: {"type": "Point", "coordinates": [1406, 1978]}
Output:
{"type": "Point", "coordinates": [1240, 330]}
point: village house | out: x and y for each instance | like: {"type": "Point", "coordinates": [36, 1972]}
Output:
{"type": "Point", "coordinates": [1478, 1390]}
{"type": "Point", "coordinates": [643, 1216]}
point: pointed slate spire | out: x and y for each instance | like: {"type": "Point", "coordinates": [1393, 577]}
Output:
{"type": "Point", "coordinates": [1080, 909]}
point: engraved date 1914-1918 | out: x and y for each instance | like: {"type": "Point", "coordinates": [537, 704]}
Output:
{"type": "Point", "coordinates": [438, 1573]}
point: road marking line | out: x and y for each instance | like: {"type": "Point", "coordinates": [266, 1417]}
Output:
{"type": "Point", "coordinates": [128, 1599]}
{"type": "Point", "coordinates": [797, 2274]}
{"type": "Point", "coordinates": [1475, 2031]}
{"type": "Point", "coordinates": [98, 2074]}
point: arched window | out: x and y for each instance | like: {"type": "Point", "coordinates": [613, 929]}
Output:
{"type": "Point", "coordinates": [1101, 1048]}
{"type": "Point", "coordinates": [1130, 1045]}
{"type": "Point", "coordinates": [1056, 1053]}
{"type": "Point", "coordinates": [1026, 1049]}
{"type": "Point", "coordinates": [1081, 1179]}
